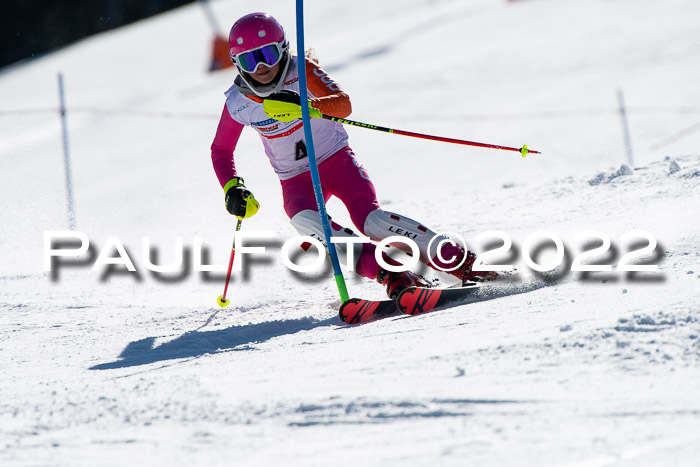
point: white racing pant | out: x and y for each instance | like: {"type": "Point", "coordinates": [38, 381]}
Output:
{"type": "Point", "coordinates": [379, 225]}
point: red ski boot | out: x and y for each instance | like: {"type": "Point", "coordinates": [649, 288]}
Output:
{"type": "Point", "coordinates": [464, 271]}
{"type": "Point", "coordinates": [395, 282]}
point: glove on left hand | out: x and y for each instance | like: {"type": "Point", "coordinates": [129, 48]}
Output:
{"type": "Point", "coordinates": [285, 106]}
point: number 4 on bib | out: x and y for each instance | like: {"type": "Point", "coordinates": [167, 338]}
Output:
{"type": "Point", "coordinates": [300, 150]}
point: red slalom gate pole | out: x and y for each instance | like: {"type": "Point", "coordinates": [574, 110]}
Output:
{"type": "Point", "coordinates": [222, 300]}
{"type": "Point", "coordinates": [524, 151]}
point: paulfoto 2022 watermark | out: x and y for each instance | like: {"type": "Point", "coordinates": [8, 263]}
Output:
{"type": "Point", "coordinates": [593, 251]}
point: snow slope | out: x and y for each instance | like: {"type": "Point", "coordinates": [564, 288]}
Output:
{"type": "Point", "coordinates": [109, 367]}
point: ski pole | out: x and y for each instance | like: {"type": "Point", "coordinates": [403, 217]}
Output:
{"type": "Point", "coordinates": [524, 151]}
{"type": "Point", "coordinates": [222, 300]}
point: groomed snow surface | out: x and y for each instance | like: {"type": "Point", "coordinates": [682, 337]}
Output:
{"type": "Point", "coordinates": [110, 367]}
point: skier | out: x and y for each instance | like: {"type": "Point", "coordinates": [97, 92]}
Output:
{"type": "Point", "coordinates": [267, 84]}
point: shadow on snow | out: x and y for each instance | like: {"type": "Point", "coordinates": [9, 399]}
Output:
{"type": "Point", "coordinates": [197, 343]}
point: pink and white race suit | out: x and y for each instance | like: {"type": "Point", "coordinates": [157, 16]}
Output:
{"type": "Point", "coordinates": [341, 174]}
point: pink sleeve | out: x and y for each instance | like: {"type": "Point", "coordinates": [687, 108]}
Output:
{"type": "Point", "coordinates": [222, 148]}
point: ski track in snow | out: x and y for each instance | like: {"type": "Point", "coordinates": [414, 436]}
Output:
{"type": "Point", "coordinates": [593, 369]}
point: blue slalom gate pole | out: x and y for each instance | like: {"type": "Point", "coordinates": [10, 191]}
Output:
{"type": "Point", "coordinates": [313, 166]}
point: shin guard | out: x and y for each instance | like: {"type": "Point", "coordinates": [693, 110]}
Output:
{"type": "Point", "coordinates": [382, 224]}
{"type": "Point", "coordinates": [308, 223]}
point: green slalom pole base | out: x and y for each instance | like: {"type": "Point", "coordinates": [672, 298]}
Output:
{"type": "Point", "coordinates": [342, 288]}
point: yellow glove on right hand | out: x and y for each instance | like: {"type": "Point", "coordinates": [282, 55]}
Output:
{"type": "Point", "coordinates": [285, 106]}
{"type": "Point", "coordinates": [239, 201]}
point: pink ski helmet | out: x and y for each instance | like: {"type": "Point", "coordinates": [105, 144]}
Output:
{"type": "Point", "coordinates": [257, 39]}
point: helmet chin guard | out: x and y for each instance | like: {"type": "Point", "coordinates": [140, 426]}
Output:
{"type": "Point", "coordinates": [264, 90]}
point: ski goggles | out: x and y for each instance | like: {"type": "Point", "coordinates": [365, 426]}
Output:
{"type": "Point", "coordinates": [268, 55]}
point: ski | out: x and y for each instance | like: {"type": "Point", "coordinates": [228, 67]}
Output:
{"type": "Point", "coordinates": [418, 300]}
{"type": "Point", "coordinates": [358, 310]}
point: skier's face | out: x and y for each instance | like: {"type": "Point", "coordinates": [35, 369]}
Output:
{"type": "Point", "coordinates": [265, 74]}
